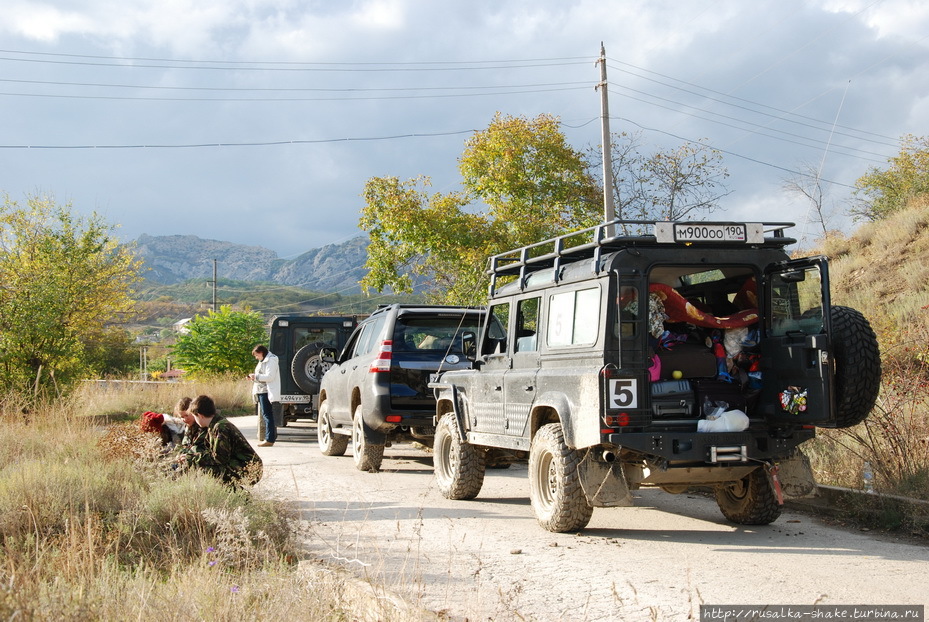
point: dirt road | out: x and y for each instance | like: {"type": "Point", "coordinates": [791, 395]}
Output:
{"type": "Point", "coordinates": [488, 559]}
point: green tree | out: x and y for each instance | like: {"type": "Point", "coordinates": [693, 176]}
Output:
{"type": "Point", "coordinates": [522, 183]}
{"type": "Point", "coordinates": [63, 281]}
{"type": "Point", "coordinates": [220, 342]}
{"type": "Point", "coordinates": [882, 192]}
{"type": "Point", "coordinates": [110, 352]}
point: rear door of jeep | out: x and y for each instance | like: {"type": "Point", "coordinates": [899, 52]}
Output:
{"type": "Point", "coordinates": [796, 352]}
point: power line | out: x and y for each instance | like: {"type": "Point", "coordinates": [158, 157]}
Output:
{"type": "Point", "coordinates": [295, 89]}
{"type": "Point", "coordinates": [286, 99]}
{"type": "Point", "coordinates": [732, 153]}
{"type": "Point", "coordinates": [760, 105]}
{"type": "Point", "coordinates": [201, 61]}
{"type": "Point", "coordinates": [796, 142]}
{"type": "Point", "coordinates": [277, 66]}
{"type": "Point", "coordinates": [246, 144]}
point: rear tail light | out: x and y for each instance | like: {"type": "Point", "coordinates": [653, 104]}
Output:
{"type": "Point", "coordinates": [382, 362]}
{"type": "Point", "coordinates": [617, 421]}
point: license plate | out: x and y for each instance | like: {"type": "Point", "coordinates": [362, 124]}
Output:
{"type": "Point", "coordinates": [697, 232]}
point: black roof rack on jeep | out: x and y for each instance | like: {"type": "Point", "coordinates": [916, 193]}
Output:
{"type": "Point", "coordinates": [591, 242]}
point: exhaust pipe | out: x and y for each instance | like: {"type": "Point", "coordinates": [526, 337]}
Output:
{"type": "Point", "coordinates": [609, 456]}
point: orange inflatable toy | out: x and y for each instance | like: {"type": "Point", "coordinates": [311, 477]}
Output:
{"type": "Point", "coordinates": [679, 309]}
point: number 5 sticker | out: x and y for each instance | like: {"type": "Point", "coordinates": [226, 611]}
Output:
{"type": "Point", "coordinates": [623, 393]}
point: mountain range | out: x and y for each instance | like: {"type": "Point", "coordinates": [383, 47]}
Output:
{"type": "Point", "coordinates": [169, 259]}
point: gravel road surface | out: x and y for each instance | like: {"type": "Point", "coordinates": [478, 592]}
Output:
{"type": "Point", "coordinates": [488, 559]}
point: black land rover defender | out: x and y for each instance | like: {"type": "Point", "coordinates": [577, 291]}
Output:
{"type": "Point", "coordinates": [297, 340]}
{"type": "Point", "coordinates": [692, 354]}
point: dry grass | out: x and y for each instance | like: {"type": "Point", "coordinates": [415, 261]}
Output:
{"type": "Point", "coordinates": [883, 270]}
{"type": "Point", "coordinates": [95, 525]}
{"type": "Point", "coordinates": [128, 399]}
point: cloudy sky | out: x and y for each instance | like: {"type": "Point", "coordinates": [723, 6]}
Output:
{"type": "Point", "coordinates": [259, 121]}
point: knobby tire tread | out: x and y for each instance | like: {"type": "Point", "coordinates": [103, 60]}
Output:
{"type": "Point", "coordinates": [857, 366]}
{"type": "Point", "coordinates": [757, 506]}
{"type": "Point", "coordinates": [459, 472]}
{"type": "Point", "coordinates": [570, 510]}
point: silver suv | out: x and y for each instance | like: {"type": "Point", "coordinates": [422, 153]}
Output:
{"type": "Point", "coordinates": [376, 392]}
{"type": "Point", "coordinates": [692, 354]}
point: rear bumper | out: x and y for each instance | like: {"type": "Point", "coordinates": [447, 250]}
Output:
{"type": "Point", "coordinates": [712, 448]}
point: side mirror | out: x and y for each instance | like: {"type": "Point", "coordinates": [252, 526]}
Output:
{"type": "Point", "coordinates": [469, 345]}
{"type": "Point", "coordinates": [328, 355]}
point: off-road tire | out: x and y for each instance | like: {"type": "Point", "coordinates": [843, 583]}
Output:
{"type": "Point", "coordinates": [307, 367]}
{"type": "Point", "coordinates": [459, 466]}
{"type": "Point", "coordinates": [330, 443]}
{"type": "Point", "coordinates": [750, 501]}
{"type": "Point", "coordinates": [367, 457]}
{"type": "Point", "coordinates": [554, 482]}
{"type": "Point", "coordinates": [857, 366]}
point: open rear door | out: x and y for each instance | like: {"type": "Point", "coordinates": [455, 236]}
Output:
{"type": "Point", "coordinates": [796, 352]}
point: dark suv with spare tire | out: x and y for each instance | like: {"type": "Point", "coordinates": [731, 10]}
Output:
{"type": "Point", "coordinates": [298, 340]}
{"type": "Point", "coordinates": [376, 392]}
{"type": "Point", "coordinates": [672, 355]}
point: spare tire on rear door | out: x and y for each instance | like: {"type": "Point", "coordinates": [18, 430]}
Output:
{"type": "Point", "coordinates": [308, 367]}
{"type": "Point", "coordinates": [857, 366]}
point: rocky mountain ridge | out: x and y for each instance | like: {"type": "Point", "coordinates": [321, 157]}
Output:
{"type": "Point", "coordinates": [169, 259]}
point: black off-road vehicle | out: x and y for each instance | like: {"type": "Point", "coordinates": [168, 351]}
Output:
{"type": "Point", "coordinates": [297, 341]}
{"type": "Point", "coordinates": [690, 354]}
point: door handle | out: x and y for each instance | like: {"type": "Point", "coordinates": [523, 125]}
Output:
{"type": "Point", "coordinates": [528, 388]}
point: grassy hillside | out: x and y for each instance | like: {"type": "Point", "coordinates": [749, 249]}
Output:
{"type": "Point", "coordinates": [883, 271]}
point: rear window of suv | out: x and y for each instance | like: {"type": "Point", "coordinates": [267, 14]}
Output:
{"type": "Point", "coordinates": [432, 334]}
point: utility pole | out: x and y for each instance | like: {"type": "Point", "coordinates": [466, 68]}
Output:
{"type": "Point", "coordinates": [609, 209]}
{"type": "Point", "coordinates": [143, 363]}
{"type": "Point", "coordinates": [214, 286]}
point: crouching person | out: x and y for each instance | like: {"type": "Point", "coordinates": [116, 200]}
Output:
{"type": "Point", "coordinates": [222, 450]}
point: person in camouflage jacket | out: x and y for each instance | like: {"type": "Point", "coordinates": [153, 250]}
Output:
{"type": "Point", "coordinates": [222, 450]}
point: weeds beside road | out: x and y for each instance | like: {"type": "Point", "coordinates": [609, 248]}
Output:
{"type": "Point", "coordinates": [92, 528]}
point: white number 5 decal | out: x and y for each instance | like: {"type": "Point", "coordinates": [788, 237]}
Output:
{"type": "Point", "coordinates": [623, 393]}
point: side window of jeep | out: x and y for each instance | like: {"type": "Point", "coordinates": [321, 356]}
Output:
{"type": "Point", "coordinates": [573, 318]}
{"type": "Point", "coordinates": [495, 337]}
{"type": "Point", "coordinates": [527, 324]}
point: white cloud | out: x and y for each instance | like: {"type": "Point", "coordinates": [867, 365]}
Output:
{"type": "Point", "coordinates": [890, 18]}
{"type": "Point", "coordinates": [675, 67]}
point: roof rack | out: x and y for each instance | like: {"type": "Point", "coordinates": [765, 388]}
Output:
{"type": "Point", "coordinates": [591, 242]}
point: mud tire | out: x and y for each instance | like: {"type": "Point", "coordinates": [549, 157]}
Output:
{"type": "Point", "coordinates": [554, 482]}
{"type": "Point", "coordinates": [459, 466]}
{"type": "Point", "coordinates": [750, 501]}
{"type": "Point", "coordinates": [857, 366]}
{"type": "Point", "coordinates": [330, 443]}
{"type": "Point", "coordinates": [367, 457]}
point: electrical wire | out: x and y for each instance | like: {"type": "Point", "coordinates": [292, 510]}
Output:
{"type": "Point", "coordinates": [296, 89]}
{"type": "Point", "coordinates": [767, 135]}
{"type": "Point", "coordinates": [732, 153]}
